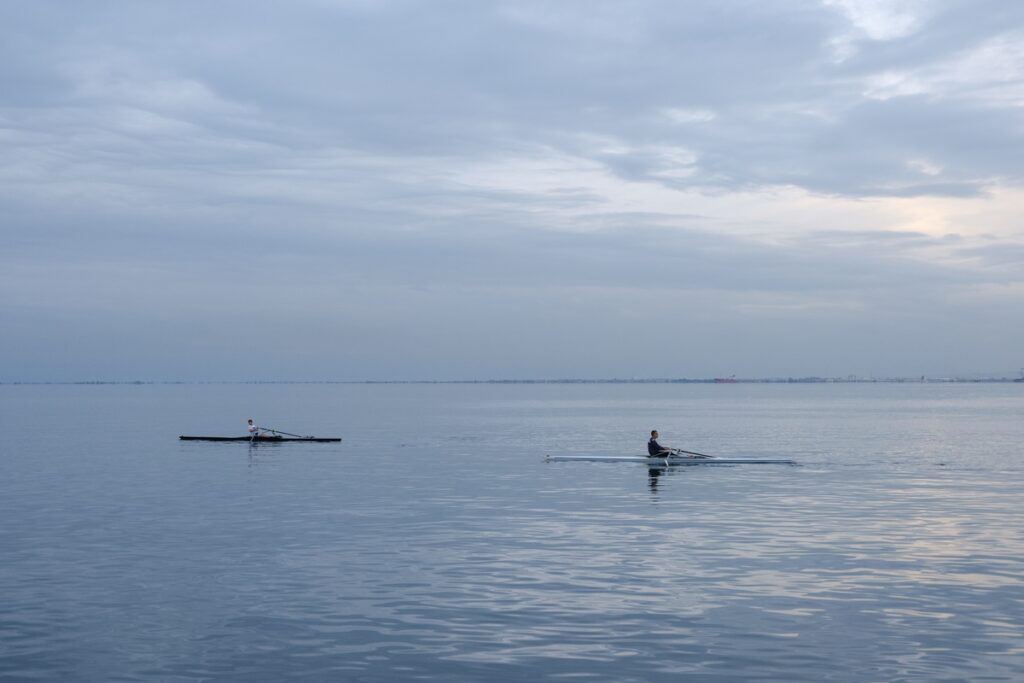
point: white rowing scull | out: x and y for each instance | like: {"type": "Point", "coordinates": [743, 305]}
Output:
{"type": "Point", "coordinates": [670, 460]}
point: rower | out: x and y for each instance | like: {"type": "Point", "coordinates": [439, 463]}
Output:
{"type": "Point", "coordinates": [655, 449]}
{"type": "Point", "coordinates": [254, 431]}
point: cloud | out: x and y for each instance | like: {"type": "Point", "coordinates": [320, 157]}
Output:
{"type": "Point", "coordinates": [874, 21]}
{"type": "Point", "coordinates": [509, 170]}
{"type": "Point", "coordinates": [748, 97]}
{"type": "Point", "coordinates": [990, 74]}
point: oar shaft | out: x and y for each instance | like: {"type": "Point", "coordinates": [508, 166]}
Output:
{"type": "Point", "coordinates": [699, 455]}
{"type": "Point", "coordinates": [277, 431]}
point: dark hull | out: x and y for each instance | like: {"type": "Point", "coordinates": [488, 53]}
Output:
{"type": "Point", "coordinates": [258, 439]}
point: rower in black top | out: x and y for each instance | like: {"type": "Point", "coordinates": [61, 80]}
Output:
{"type": "Point", "coordinates": [655, 449]}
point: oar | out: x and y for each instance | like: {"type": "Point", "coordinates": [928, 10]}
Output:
{"type": "Point", "coordinates": [696, 455]}
{"type": "Point", "coordinates": [297, 436]}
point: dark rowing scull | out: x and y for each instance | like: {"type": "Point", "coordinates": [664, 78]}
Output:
{"type": "Point", "coordinates": [261, 439]}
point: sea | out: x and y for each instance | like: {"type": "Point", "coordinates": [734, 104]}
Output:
{"type": "Point", "coordinates": [435, 543]}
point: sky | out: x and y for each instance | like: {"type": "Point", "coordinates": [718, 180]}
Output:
{"type": "Point", "coordinates": [348, 190]}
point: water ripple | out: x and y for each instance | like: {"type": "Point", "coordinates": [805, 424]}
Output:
{"type": "Point", "coordinates": [138, 559]}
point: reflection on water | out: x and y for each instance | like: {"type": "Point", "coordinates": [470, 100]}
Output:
{"type": "Point", "coordinates": [131, 557]}
{"type": "Point", "coordinates": [653, 475]}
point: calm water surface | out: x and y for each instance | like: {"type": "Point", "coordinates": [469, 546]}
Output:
{"type": "Point", "coordinates": [435, 544]}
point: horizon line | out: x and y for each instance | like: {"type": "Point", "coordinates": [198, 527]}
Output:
{"type": "Point", "coordinates": [810, 379]}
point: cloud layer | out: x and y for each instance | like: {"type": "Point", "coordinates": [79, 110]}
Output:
{"type": "Point", "coordinates": [353, 190]}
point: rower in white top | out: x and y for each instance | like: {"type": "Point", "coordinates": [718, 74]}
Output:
{"type": "Point", "coordinates": [254, 431]}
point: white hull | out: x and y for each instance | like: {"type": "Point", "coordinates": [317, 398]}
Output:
{"type": "Point", "coordinates": [674, 460]}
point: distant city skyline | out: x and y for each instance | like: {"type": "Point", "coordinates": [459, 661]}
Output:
{"type": "Point", "coordinates": [349, 190]}
{"type": "Point", "coordinates": [811, 379]}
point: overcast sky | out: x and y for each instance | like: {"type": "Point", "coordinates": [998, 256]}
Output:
{"type": "Point", "coordinates": [376, 189]}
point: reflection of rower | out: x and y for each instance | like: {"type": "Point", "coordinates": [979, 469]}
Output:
{"type": "Point", "coordinates": [653, 474]}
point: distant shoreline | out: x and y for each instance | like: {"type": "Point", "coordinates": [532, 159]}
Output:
{"type": "Point", "coordinates": [681, 380]}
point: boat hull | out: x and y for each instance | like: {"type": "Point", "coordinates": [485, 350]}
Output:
{"type": "Point", "coordinates": [670, 461]}
{"type": "Point", "coordinates": [260, 439]}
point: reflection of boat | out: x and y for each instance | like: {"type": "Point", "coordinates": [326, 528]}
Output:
{"type": "Point", "coordinates": [258, 439]}
{"type": "Point", "coordinates": [671, 460]}
{"type": "Point", "coordinates": [726, 380]}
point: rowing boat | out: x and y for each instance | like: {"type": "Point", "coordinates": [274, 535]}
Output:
{"type": "Point", "coordinates": [260, 439]}
{"type": "Point", "coordinates": [671, 460]}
